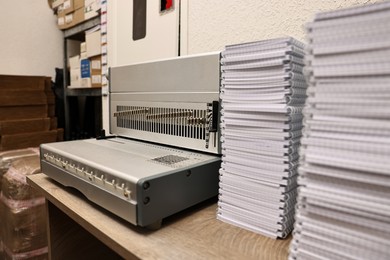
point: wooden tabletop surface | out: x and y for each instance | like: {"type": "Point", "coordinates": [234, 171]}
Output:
{"type": "Point", "coordinates": [192, 234]}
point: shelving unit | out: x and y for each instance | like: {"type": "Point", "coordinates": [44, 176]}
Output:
{"type": "Point", "coordinates": [86, 92]}
{"type": "Point", "coordinates": [82, 107]}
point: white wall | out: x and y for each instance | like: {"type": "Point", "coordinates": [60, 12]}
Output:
{"type": "Point", "coordinates": [30, 42]}
{"type": "Point", "coordinates": [213, 24]}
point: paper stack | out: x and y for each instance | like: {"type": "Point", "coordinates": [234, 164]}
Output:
{"type": "Point", "coordinates": [343, 209]}
{"type": "Point", "coordinates": [262, 93]}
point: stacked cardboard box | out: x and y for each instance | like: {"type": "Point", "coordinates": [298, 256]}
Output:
{"type": "Point", "coordinates": [91, 8]}
{"type": "Point", "coordinates": [69, 13]}
{"type": "Point", "coordinates": [27, 112]}
{"type": "Point", "coordinates": [75, 72]}
{"type": "Point", "coordinates": [73, 12]}
{"type": "Point", "coordinates": [93, 50]}
{"type": "Point", "coordinates": [86, 68]}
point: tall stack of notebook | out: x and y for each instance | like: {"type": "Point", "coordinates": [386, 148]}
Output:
{"type": "Point", "coordinates": [343, 209]}
{"type": "Point", "coordinates": [262, 92]}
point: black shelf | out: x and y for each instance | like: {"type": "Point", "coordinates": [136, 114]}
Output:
{"type": "Point", "coordinates": [84, 92]}
{"type": "Point", "coordinates": [72, 33]}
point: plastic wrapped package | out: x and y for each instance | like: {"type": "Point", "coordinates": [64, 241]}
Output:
{"type": "Point", "coordinates": [2, 223]}
{"type": "Point", "coordinates": [24, 236]}
{"type": "Point", "coordinates": [6, 158]}
{"type": "Point", "coordinates": [23, 211]}
{"type": "Point", "coordinates": [14, 185]}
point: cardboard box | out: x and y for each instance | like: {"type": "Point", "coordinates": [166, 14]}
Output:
{"type": "Point", "coordinates": [83, 55]}
{"type": "Point", "coordinates": [78, 16]}
{"type": "Point", "coordinates": [51, 110]}
{"type": "Point", "coordinates": [71, 19]}
{"type": "Point", "coordinates": [96, 64]}
{"type": "Point", "coordinates": [68, 6]}
{"type": "Point", "coordinates": [93, 41]}
{"type": "Point", "coordinates": [90, 74]}
{"type": "Point", "coordinates": [83, 47]}
{"type": "Point", "coordinates": [78, 4]}
{"type": "Point", "coordinates": [96, 71]}
{"type": "Point", "coordinates": [60, 10]}
{"type": "Point", "coordinates": [22, 98]}
{"type": "Point", "coordinates": [61, 21]}
{"type": "Point", "coordinates": [49, 92]}
{"type": "Point", "coordinates": [24, 126]}
{"type": "Point", "coordinates": [23, 112]}
{"type": "Point", "coordinates": [71, 5]}
{"type": "Point", "coordinates": [86, 82]}
{"type": "Point", "coordinates": [48, 85]}
{"type": "Point", "coordinates": [56, 3]}
{"type": "Point", "coordinates": [14, 82]}
{"type": "Point", "coordinates": [96, 81]}
{"type": "Point", "coordinates": [74, 62]}
{"type": "Point", "coordinates": [91, 8]}
{"type": "Point", "coordinates": [75, 78]}
{"type": "Point", "coordinates": [24, 140]}
{"type": "Point", "coordinates": [50, 97]}
{"type": "Point", "coordinates": [53, 123]}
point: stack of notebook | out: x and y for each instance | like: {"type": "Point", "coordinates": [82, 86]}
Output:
{"type": "Point", "coordinates": [262, 93]}
{"type": "Point", "coordinates": [343, 209]}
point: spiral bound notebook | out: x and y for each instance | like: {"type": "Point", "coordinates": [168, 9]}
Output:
{"type": "Point", "coordinates": [263, 92]}
{"type": "Point", "coordinates": [343, 208]}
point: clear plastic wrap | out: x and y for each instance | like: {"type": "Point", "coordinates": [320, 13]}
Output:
{"type": "Point", "coordinates": [22, 211]}
{"type": "Point", "coordinates": [7, 157]}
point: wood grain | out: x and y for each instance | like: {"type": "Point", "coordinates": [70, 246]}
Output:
{"type": "Point", "coordinates": [192, 234]}
{"type": "Point", "coordinates": [73, 241]}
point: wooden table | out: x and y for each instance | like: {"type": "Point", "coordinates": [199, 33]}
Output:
{"type": "Point", "coordinates": [79, 229]}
